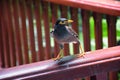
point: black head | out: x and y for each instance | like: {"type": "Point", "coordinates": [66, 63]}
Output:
{"type": "Point", "coordinates": [63, 21]}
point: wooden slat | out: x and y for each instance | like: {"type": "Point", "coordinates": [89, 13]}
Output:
{"type": "Point", "coordinates": [54, 11]}
{"type": "Point", "coordinates": [31, 29]}
{"type": "Point", "coordinates": [98, 30]}
{"type": "Point", "coordinates": [86, 29]}
{"type": "Point", "coordinates": [64, 15]}
{"type": "Point", "coordinates": [11, 36]}
{"type": "Point", "coordinates": [39, 29]}
{"type": "Point", "coordinates": [102, 76]}
{"type": "Point", "coordinates": [98, 41]}
{"type": "Point", "coordinates": [47, 30]}
{"type": "Point", "coordinates": [10, 33]}
{"type": "Point", "coordinates": [1, 46]}
{"type": "Point", "coordinates": [111, 20]}
{"type": "Point", "coordinates": [74, 17]}
{"type": "Point", "coordinates": [0, 49]}
{"type": "Point", "coordinates": [96, 62]}
{"type": "Point", "coordinates": [24, 31]}
{"type": "Point", "coordinates": [18, 47]}
{"type": "Point", "coordinates": [5, 38]}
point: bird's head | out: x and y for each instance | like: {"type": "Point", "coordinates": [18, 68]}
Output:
{"type": "Point", "coordinates": [63, 21]}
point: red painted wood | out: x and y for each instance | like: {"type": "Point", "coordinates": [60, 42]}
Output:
{"type": "Point", "coordinates": [39, 30]}
{"type": "Point", "coordinates": [111, 7]}
{"type": "Point", "coordinates": [47, 30]}
{"type": "Point", "coordinates": [1, 48]}
{"type": "Point", "coordinates": [98, 40]}
{"type": "Point", "coordinates": [24, 36]}
{"type": "Point", "coordinates": [96, 62]}
{"type": "Point", "coordinates": [31, 30]}
{"type": "Point", "coordinates": [64, 15]}
{"type": "Point", "coordinates": [16, 24]}
{"type": "Point", "coordinates": [54, 11]}
{"type": "Point", "coordinates": [86, 29]}
{"type": "Point", "coordinates": [98, 30]}
{"type": "Point", "coordinates": [74, 17]}
{"type": "Point", "coordinates": [111, 20]}
{"type": "Point", "coordinates": [102, 76]}
{"type": "Point", "coordinates": [1, 43]}
{"type": "Point", "coordinates": [11, 41]}
{"type": "Point", "coordinates": [5, 38]}
{"type": "Point", "coordinates": [0, 52]}
{"type": "Point", "coordinates": [86, 32]}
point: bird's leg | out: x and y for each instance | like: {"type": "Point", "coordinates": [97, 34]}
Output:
{"type": "Point", "coordinates": [82, 53]}
{"type": "Point", "coordinates": [60, 55]}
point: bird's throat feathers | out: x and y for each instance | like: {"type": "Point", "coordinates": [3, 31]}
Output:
{"type": "Point", "coordinates": [60, 30]}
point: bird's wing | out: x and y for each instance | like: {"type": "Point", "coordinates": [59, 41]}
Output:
{"type": "Point", "coordinates": [72, 31]}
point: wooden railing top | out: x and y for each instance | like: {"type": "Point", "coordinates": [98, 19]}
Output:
{"type": "Point", "coordinates": [111, 7]}
{"type": "Point", "coordinates": [98, 61]}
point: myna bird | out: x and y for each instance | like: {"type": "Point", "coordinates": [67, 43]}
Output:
{"type": "Point", "coordinates": [63, 34]}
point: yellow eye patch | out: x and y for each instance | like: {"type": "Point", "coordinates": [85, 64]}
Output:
{"type": "Point", "coordinates": [62, 22]}
{"type": "Point", "coordinates": [65, 21]}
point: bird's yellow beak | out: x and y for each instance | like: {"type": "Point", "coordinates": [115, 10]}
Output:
{"type": "Point", "coordinates": [69, 21]}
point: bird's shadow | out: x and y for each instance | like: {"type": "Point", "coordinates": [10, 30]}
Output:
{"type": "Point", "coordinates": [65, 59]}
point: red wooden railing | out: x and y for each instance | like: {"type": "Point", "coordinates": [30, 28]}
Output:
{"type": "Point", "coordinates": [25, 26]}
{"type": "Point", "coordinates": [93, 63]}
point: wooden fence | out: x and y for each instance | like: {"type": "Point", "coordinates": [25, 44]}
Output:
{"type": "Point", "coordinates": [25, 28]}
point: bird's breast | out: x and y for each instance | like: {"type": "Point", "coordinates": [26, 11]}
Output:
{"type": "Point", "coordinates": [60, 34]}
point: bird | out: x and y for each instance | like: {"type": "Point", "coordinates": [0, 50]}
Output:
{"type": "Point", "coordinates": [64, 34]}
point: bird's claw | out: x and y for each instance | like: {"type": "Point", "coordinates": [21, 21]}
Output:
{"type": "Point", "coordinates": [81, 55]}
{"type": "Point", "coordinates": [57, 58]}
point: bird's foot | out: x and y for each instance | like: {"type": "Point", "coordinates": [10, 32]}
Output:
{"type": "Point", "coordinates": [57, 58]}
{"type": "Point", "coordinates": [81, 55]}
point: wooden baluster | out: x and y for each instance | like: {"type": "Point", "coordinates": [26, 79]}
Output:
{"type": "Point", "coordinates": [64, 15]}
{"type": "Point", "coordinates": [11, 40]}
{"type": "Point", "coordinates": [1, 46]}
{"type": "Point", "coordinates": [47, 29]}
{"type": "Point", "coordinates": [5, 39]}
{"type": "Point", "coordinates": [86, 31]}
{"type": "Point", "coordinates": [98, 40]}
{"type": "Point", "coordinates": [74, 17]}
{"type": "Point", "coordinates": [111, 20]}
{"type": "Point", "coordinates": [98, 30]}
{"type": "Point", "coordinates": [16, 26]}
{"type": "Point", "coordinates": [39, 29]}
{"type": "Point", "coordinates": [31, 30]}
{"type": "Point", "coordinates": [1, 36]}
{"type": "Point", "coordinates": [24, 31]}
{"type": "Point", "coordinates": [54, 8]}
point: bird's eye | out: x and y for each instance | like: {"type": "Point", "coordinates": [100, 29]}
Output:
{"type": "Point", "coordinates": [62, 22]}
